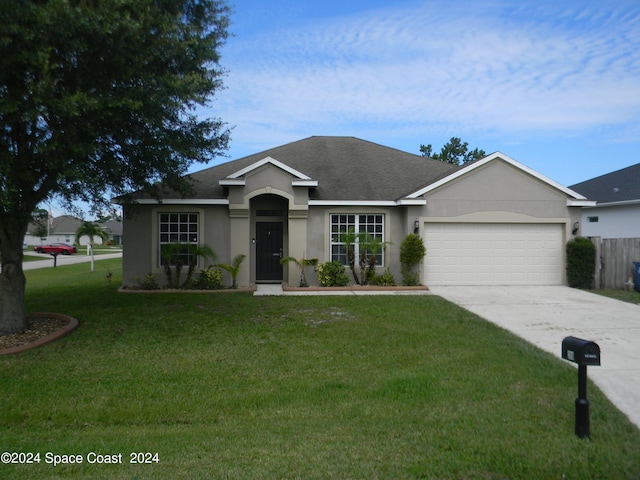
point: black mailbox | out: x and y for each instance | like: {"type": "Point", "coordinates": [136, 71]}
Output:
{"type": "Point", "coordinates": [582, 352]}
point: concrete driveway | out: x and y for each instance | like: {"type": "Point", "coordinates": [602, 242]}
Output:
{"type": "Point", "coordinates": [545, 315]}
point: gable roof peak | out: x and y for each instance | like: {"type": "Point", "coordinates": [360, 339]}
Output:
{"type": "Point", "coordinates": [268, 160]}
{"type": "Point", "coordinates": [496, 156]}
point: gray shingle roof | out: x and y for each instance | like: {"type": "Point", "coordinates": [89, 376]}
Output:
{"type": "Point", "coordinates": [346, 168]}
{"type": "Point", "coordinates": [619, 186]}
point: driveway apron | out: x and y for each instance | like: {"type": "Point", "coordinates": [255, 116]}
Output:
{"type": "Point", "coordinates": [545, 315]}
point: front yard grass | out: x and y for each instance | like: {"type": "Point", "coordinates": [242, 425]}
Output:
{"type": "Point", "coordinates": [630, 296]}
{"type": "Point", "coordinates": [227, 385]}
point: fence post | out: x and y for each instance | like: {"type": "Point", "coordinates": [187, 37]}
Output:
{"type": "Point", "coordinates": [597, 276]}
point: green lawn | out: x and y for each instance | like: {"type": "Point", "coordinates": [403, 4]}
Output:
{"type": "Point", "coordinates": [630, 296]}
{"type": "Point", "coordinates": [225, 385]}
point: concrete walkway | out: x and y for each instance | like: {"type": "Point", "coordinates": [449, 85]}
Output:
{"type": "Point", "coordinates": [266, 289]}
{"type": "Point", "coordinates": [545, 315]}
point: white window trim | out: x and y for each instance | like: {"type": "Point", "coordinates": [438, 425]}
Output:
{"type": "Point", "coordinates": [357, 214]}
{"type": "Point", "coordinates": [155, 232]}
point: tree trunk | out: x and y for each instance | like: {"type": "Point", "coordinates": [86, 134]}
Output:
{"type": "Point", "coordinates": [12, 281]}
{"type": "Point", "coordinates": [352, 264]}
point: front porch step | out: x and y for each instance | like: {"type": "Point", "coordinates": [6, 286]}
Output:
{"type": "Point", "coordinates": [268, 289]}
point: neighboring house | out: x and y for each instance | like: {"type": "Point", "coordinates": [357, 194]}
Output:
{"type": "Point", "coordinates": [114, 231]}
{"type": "Point", "coordinates": [491, 222]}
{"type": "Point", "coordinates": [63, 229]}
{"type": "Point", "coordinates": [616, 213]}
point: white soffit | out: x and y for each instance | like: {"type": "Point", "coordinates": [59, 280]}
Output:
{"type": "Point", "coordinates": [366, 203]}
{"type": "Point", "coordinates": [183, 201]}
{"type": "Point", "coordinates": [488, 159]}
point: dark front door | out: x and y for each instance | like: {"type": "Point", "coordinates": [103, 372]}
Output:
{"type": "Point", "coordinates": [268, 251]}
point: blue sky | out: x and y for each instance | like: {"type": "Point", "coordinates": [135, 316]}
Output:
{"type": "Point", "coordinates": [553, 84]}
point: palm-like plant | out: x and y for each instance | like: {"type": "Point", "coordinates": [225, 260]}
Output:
{"type": "Point", "coordinates": [93, 231]}
{"type": "Point", "coordinates": [234, 268]}
{"type": "Point", "coordinates": [301, 263]}
{"type": "Point", "coordinates": [349, 239]}
{"type": "Point", "coordinates": [173, 255]}
{"type": "Point", "coordinates": [197, 251]}
{"type": "Point", "coordinates": [370, 246]}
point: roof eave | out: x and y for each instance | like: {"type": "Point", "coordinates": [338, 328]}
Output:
{"type": "Point", "coordinates": [580, 203]}
{"type": "Point", "coordinates": [615, 204]}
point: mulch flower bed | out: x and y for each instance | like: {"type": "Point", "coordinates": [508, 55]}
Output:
{"type": "Point", "coordinates": [42, 328]}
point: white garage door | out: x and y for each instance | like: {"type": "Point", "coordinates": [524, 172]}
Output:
{"type": "Point", "coordinates": [493, 254]}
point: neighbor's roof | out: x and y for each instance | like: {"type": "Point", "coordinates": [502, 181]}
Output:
{"type": "Point", "coordinates": [346, 168]}
{"type": "Point", "coordinates": [68, 225]}
{"type": "Point", "coordinates": [619, 186]}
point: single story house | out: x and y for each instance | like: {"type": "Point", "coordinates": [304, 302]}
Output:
{"type": "Point", "coordinates": [63, 229]}
{"type": "Point", "coordinates": [616, 213]}
{"type": "Point", "coordinates": [490, 222]}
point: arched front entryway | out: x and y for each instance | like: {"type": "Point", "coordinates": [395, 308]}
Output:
{"type": "Point", "coordinates": [269, 227]}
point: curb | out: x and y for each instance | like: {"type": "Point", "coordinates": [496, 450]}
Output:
{"type": "Point", "coordinates": [52, 337]}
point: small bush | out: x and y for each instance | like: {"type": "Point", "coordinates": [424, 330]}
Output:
{"type": "Point", "coordinates": [384, 280]}
{"type": "Point", "coordinates": [148, 282]}
{"type": "Point", "coordinates": [581, 262]}
{"type": "Point", "coordinates": [331, 274]}
{"type": "Point", "coordinates": [412, 251]}
{"type": "Point", "coordinates": [210, 279]}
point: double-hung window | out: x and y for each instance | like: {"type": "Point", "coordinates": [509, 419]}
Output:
{"type": "Point", "coordinates": [360, 224]}
{"type": "Point", "coordinates": [177, 228]}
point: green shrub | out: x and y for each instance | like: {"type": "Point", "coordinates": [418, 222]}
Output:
{"type": "Point", "coordinates": [148, 282]}
{"type": "Point", "coordinates": [581, 262]}
{"type": "Point", "coordinates": [384, 280]}
{"type": "Point", "coordinates": [210, 278]}
{"type": "Point", "coordinates": [331, 274]}
{"type": "Point", "coordinates": [412, 250]}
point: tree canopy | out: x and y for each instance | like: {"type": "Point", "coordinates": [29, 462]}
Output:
{"type": "Point", "coordinates": [455, 152]}
{"type": "Point", "coordinates": [97, 99]}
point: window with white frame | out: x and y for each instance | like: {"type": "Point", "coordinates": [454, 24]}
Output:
{"type": "Point", "coordinates": [177, 228]}
{"type": "Point", "coordinates": [342, 223]}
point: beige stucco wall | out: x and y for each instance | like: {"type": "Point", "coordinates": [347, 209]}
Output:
{"type": "Point", "coordinates": [268, 187]}
{"type": "Point", "coordinates": [495, 187]}
{"type": "Point", "coordinates": [320, 224]}
{"type": "Point", "coordinates": [499, 193]}
{"type": "Point", "coordinates": [140, 251]}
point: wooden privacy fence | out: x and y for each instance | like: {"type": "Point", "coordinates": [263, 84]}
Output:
{"type": "Point", "coordinates": [614, 262]}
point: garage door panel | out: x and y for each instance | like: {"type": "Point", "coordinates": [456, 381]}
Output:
{"type": "Point", "coordinates": [493, 254]}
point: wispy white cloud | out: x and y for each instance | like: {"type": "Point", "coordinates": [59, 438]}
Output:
{"type": "Point", "coordinates": [476, 66]}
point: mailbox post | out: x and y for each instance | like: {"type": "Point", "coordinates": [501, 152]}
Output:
{"type": "Point", "coordinates": [584, 353]}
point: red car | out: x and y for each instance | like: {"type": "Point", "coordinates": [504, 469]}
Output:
{"type": "Point", "coordinates": [57, 248]}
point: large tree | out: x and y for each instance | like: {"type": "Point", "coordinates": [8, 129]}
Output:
{"type": "Point", "coordinates": [98, 98]}
{"type": "Point", "coordinates": [455, 152]}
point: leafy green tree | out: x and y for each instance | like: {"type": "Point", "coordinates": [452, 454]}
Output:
{"type": "Point", "coordinates": [40, 219]}
{"type": "Point", "coordinates": [93, 231]}
{"type": "Point", "coordinates": [455, 152]}
{"type": "Point", "coordinates": [98, 99]}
